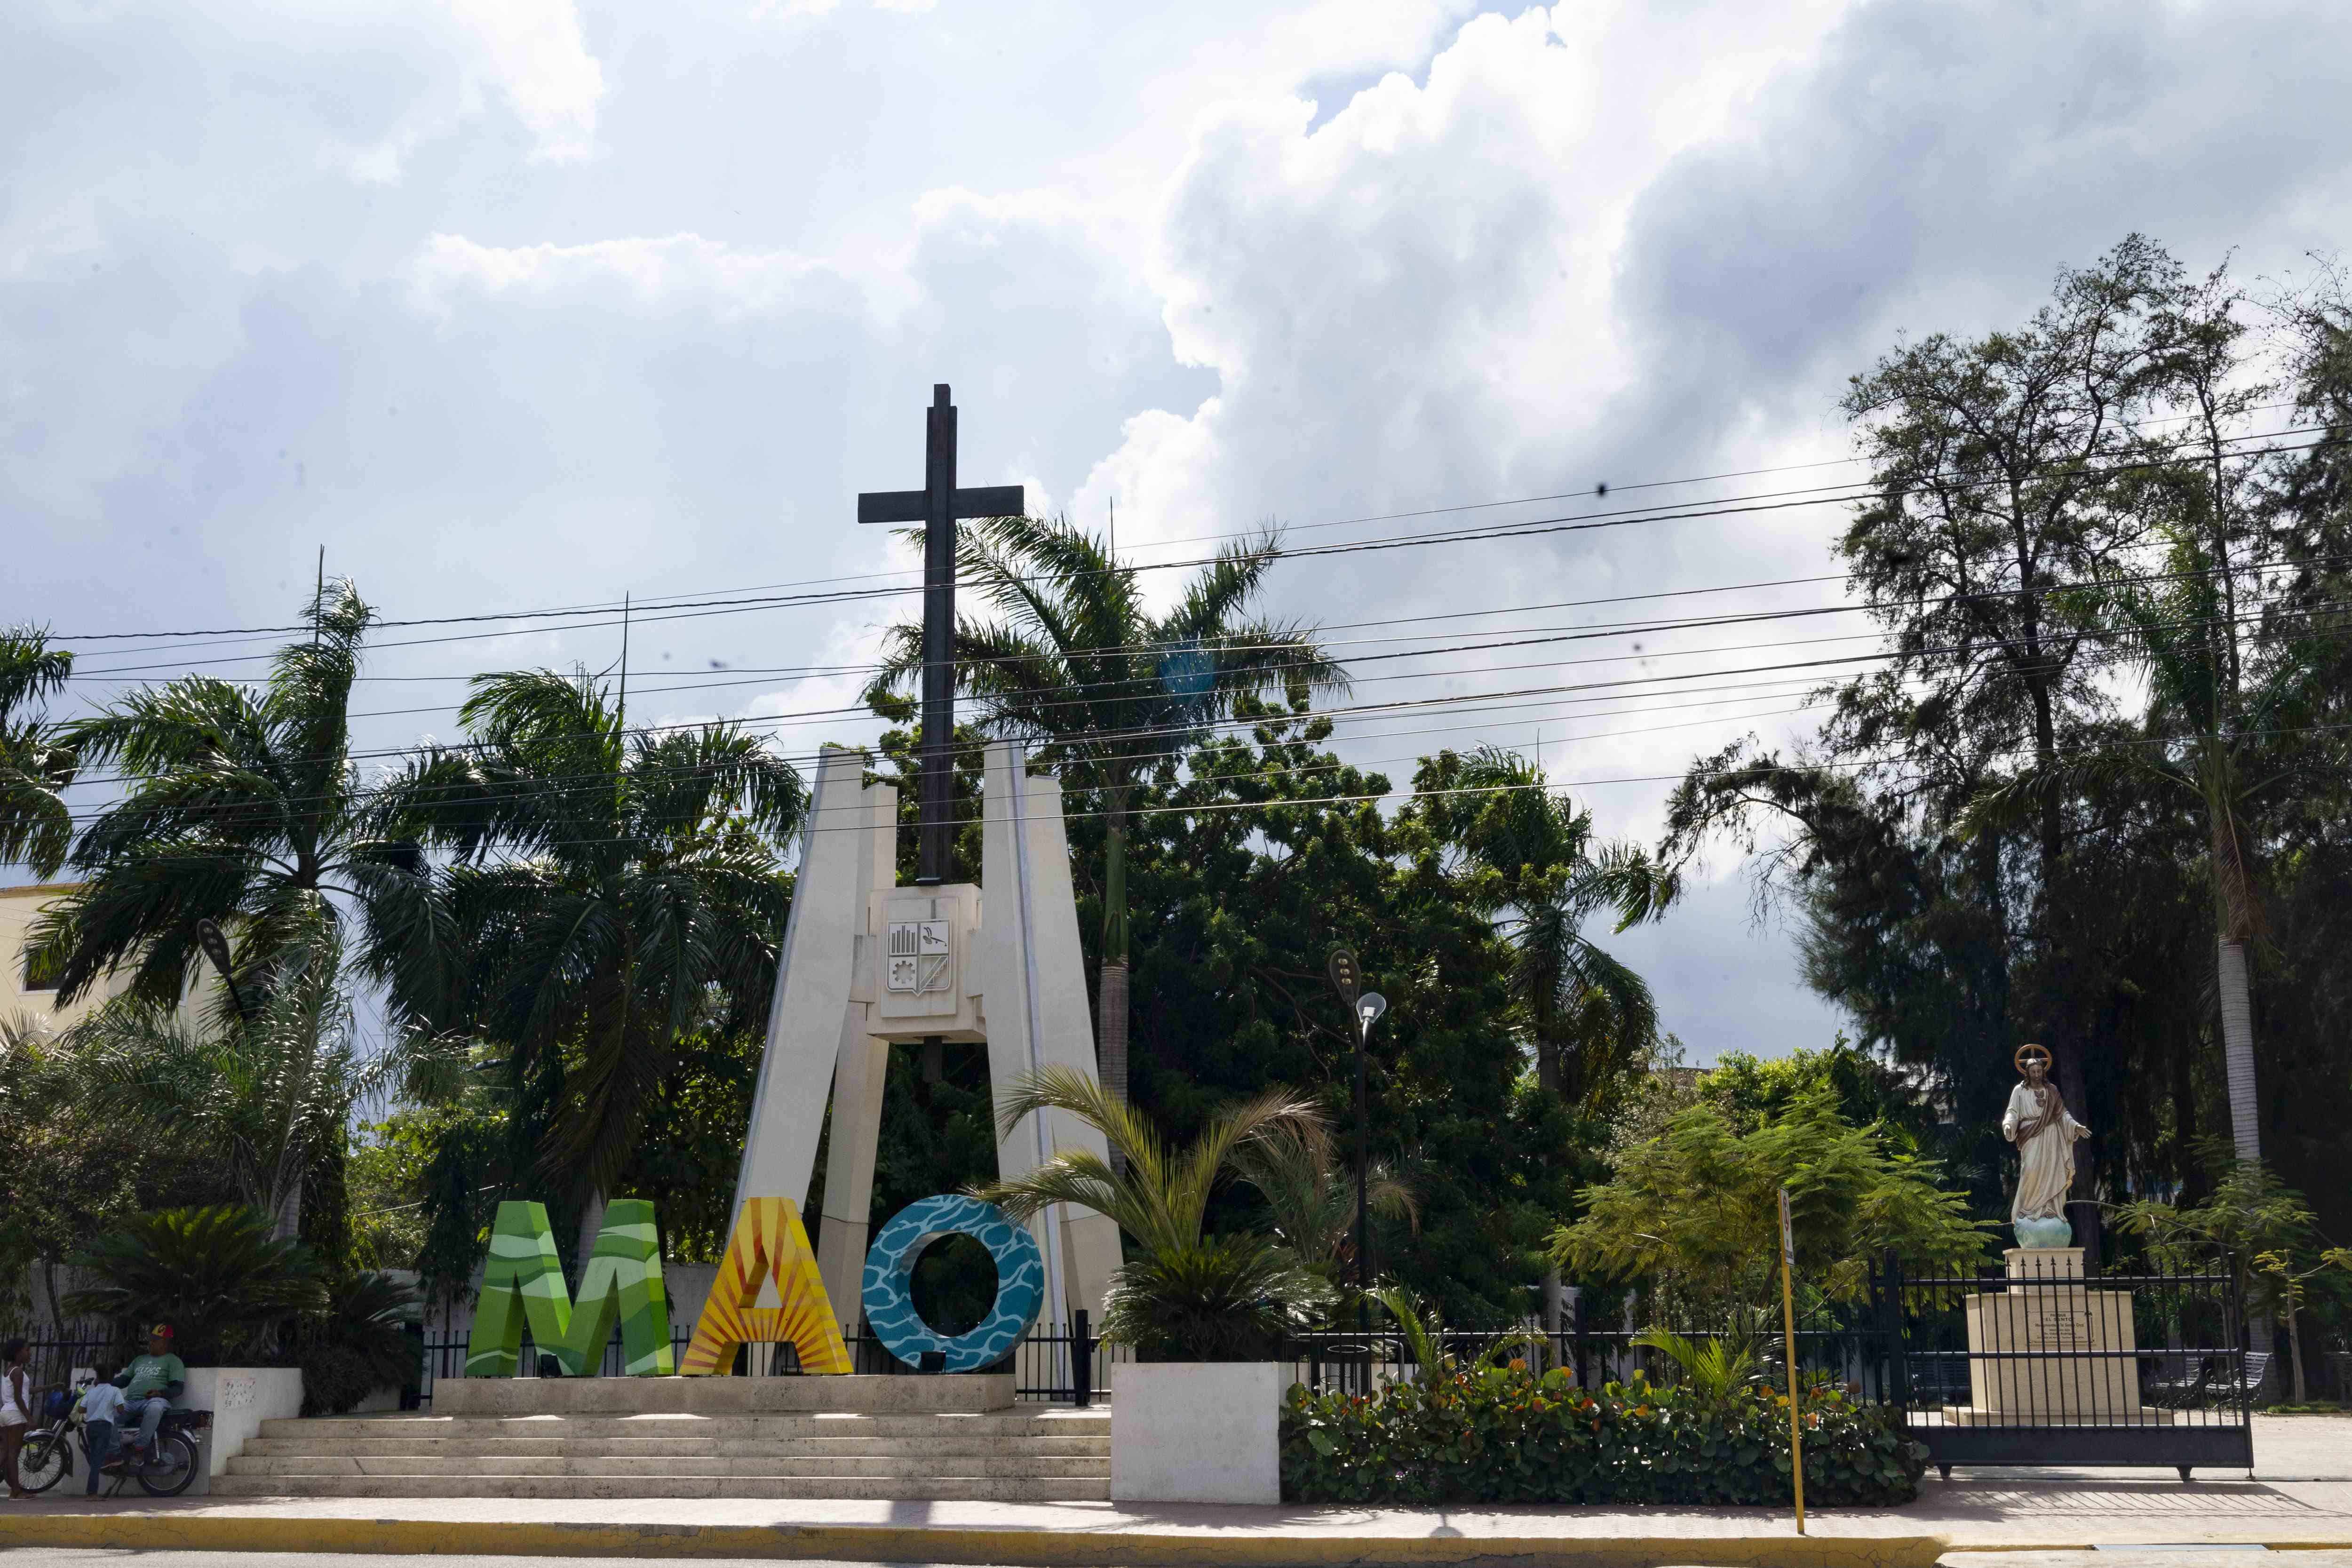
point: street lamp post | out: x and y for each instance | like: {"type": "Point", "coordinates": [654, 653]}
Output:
{"type": "Point", "coordinates": [1365, 1007]}
{"type": "Point", "coordinates": [1368, 1008]}
{"type": "Point", "coordinates": [215, 946]}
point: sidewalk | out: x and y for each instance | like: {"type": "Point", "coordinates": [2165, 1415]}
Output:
{"type": "Point", "coordinates": [2309, 1506]}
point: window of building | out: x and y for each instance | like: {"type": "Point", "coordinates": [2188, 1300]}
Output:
{"type": "Point", "coordinates": [41, 971]}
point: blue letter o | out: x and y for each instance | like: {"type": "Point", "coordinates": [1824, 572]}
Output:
{"type": "Point", "coordinates": [889, 1271]}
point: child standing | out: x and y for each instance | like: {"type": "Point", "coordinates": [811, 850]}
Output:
{"type": "Point", "coordinates": [102, 1412]}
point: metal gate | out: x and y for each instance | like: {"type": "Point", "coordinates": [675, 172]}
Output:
{"type": "Point", "coordinates": [2045, 1367]}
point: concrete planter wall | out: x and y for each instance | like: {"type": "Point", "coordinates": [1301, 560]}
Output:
{"type": "Point", "coordinates": [240, 1398]}
{"type": "Point", "coordinates": [1186, 1431]}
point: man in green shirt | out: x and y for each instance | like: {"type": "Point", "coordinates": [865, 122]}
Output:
{"type": "Point", "coordinates": [151, 1382]}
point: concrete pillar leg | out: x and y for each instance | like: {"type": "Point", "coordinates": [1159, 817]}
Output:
{"type": "Point", "coordinates": [857, 1081]}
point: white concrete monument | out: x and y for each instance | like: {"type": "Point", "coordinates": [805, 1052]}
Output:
{"type": "Point", "coordinates": [867, 963]}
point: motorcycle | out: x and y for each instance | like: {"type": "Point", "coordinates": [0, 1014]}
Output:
{"type": "Point", "coordinates": [165, 1469]}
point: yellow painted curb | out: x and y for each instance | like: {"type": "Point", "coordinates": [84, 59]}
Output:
{"type": "Point", "coordinates": [892, 1544]}
{"type": "Point", "coordinates": [2145, 1545]}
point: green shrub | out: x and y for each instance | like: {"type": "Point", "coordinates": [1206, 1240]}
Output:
{"type": "Point", "coordinates": [359, 1344]}
{"type": "Point", "coordinates": [214, 1273]}
{"type": "Point", "coordinates": [1503, 1434]}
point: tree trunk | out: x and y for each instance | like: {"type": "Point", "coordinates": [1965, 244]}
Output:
{"type": "Point", "coordinates": [2294, 1353]}
{"type": "Point", "coordinates": [592, 1220]}
{"type": "Point", "coordinates": [1110, 1040]}
{"type": "Point", "coordinates": [2238, 1050]}
{"type": "Point", "coordinates": [1547, 1079]}
{"type": "Point", "coordinates": [285, 1222]}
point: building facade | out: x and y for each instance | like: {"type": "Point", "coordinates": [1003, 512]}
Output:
{"type": "Point", "coordinates": [29, 996]}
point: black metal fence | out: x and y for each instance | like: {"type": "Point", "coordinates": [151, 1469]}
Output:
{"type": "Point", "coordinates": [2044, 1366]}
{"type": "Point", "coordinates": [1838, 1341]}
{"type": "Point", "coordinates": [1055, 1363]}
{"type": "Point", "coordinates": [2050, 1365]}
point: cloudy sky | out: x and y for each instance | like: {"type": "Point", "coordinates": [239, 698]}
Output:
{"type": "Point", "coordinates": [513, 304]}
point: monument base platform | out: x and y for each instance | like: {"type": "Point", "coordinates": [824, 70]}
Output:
{"type": "Point", "coordinates": [1970, 1415]}
{"type": "Point", "coordinates": [951, 1393]}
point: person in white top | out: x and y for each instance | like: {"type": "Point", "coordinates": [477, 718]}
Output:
{"type": "Point", "coordinates": [15, 1409]}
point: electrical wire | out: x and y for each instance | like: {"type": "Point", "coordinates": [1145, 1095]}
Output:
{"type": "Point", "coordinates": [600, 779]}
{"type": "Point", "coordinates": [1769, 501]}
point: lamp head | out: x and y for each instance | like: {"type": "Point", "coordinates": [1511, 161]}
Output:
{"type": "Point", "coordinates": [1368, 1008]}
{"type": "Point", "coordinates": [215, 945]}
{"type": "Point", "coordinates": [1347, 976]}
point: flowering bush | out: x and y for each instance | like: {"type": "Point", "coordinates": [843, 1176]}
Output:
{"type": "Point", "coordinates": [1507, 1434]}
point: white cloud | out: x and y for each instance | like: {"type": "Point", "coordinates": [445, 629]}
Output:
{"type": "Point", "coordinates": [672, 270]}
{"type": "Point", "coordinates": [529, 55]}
{"type": "Point", "coordinates": [514, 301]}
{"type": "Point", "coordinates": [540, 60]}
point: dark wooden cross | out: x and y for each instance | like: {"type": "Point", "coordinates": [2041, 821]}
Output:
{"type": "Point", "coordinates": [936, 506]}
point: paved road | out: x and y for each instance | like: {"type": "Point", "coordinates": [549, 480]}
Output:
{"type": "Point", "coordinates": [2137, 1557]}
{"type": "Point", "coordinates": [43, 1557]}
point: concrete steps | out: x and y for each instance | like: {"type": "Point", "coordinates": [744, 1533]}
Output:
{"type": "Point", "coordinates": [761, 1488]}
{"type": "Point", "coordinates": [1053, 1456]}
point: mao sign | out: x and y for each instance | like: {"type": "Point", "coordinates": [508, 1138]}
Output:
{"type": "Point", "coordinates": [522, 1282]}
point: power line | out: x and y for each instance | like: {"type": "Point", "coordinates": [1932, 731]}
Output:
{"type": "Point", "coordinates": [692, 607]}
{"type": "Point", "coordinates": [1465, 702]}
{"type": "Point", "coordinates": [1093, 689]}
{"type": "Point", "coordinates": [777, 722]}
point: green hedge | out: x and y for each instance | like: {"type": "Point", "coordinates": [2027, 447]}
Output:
{"type": "Point", "coordinates": [1503, 1435]}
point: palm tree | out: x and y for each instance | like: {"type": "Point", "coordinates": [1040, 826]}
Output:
{"type": "Point", "coordinates": [1184, 1296]}
{"type": "Point", "coordinates": [2197, 703]}
{"type": "Point", "coordinates": [266, 1093]}
{"type": "Point", "coordinates": [1544, 878]}
{"type": "Point", "coordinates": [1312, 1197]}
{"type": "Point", "coordinates": [2211, 732]}
{"type": "Point", "coordinates": [35, 763]}
{"type": "Point", "coordinates": [614, 893]}
{"type": "Point", "coordinates": [242, 807]}
{"type": "Point", "coordinates": [1078, 663]}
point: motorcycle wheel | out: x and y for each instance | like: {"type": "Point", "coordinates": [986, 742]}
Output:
{"type": "Point", "coordinates": [44, 1460]}
{"type": "Point", "coordinates": [172, 1468]}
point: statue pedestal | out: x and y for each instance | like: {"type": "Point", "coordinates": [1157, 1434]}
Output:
{"type": "Point", "coordinates": [2051, 1351]}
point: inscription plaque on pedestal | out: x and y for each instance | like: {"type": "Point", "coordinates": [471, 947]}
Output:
{"type": "Point", "coordinates": [2051, 1351]}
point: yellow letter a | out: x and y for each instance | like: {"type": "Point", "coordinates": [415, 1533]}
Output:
{"type": "Point", "coordinates": [768, 1242]}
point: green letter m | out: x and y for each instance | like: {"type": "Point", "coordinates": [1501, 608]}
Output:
{"type": "Point", "coordinates": [524, 1280]}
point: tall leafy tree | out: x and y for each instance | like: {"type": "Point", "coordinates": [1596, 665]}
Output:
{"type": "Point", "coordinates": [35, 764]}
{"type": "Point", "coordinates": [1995, 463]}
{"type": "Point", "coordinates": [1913, 829]}
{"type": "Point", "coordinates": [1255, 857]}
{"type": "Point", "coordinates": [1078, 662]}
{"type": "Point", "coordinates": [614, 892]}
{"type": "Point", "coordinates": [243, 804]}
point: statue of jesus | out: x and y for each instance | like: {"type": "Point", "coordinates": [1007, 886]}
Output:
{"type": "Point", "coordinates": [2038, 1122]}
